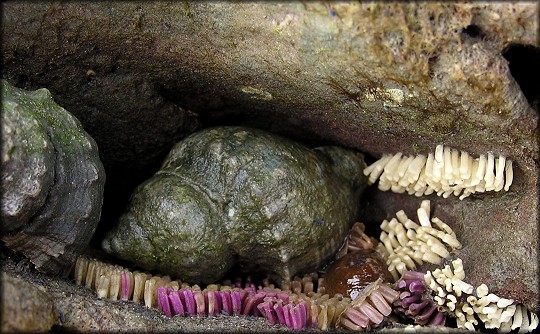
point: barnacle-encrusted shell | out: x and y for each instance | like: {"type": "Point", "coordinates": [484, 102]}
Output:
{"type": "Point", "coordinates": [52, 180]}
{"type": "Point", "coordinates": [232, 194]}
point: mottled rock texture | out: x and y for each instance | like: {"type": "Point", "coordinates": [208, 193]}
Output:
{"type": "Point", "coordinates": [229, 195]}
{"type": "Point", "coordinates": [25, 307]}
{"type": "Point", "coordinates": [377, 77]}
{"type": "Point", "coordinates": [52, 180]}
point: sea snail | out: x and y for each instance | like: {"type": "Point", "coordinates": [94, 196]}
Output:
{"type": "Point", "coordinates": [52, 180]}
{"type": "Point", "coordinates": [229, 195]}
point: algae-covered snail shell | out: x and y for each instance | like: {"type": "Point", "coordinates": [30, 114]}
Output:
{"type": "Point", "coordinates": [52, 180]}
{"type": "Point", "coordinates": [231, 195]}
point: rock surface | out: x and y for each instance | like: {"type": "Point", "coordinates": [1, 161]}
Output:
{"type": "Point", "coordinates": [230, 195]}
{"type": "Point", "coordinates": [25, 307]}
{"type": "Point", "coordinates": [376, 77]}
{"type": "Point", "coordinates": [52, 180]}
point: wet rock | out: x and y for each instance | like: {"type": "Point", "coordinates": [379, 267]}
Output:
{"type": "Point", "coordinates": [25, 307]}
{"type": "Point", "coordinates": [415, 72]}
{"type": "Point", "coordinates": [52, 180]}
{"type": "Point", "coordinates": [380, 78]}
{"type": "Point", "coordinates": [233, 194]}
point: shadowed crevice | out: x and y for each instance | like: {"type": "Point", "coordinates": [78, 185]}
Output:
{"type": "Point", "coordinates": [524, 63]}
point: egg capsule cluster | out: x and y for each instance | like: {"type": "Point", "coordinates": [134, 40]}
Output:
{"type": "Point", "coordinates": [356, 240]}
{"type": "Point", "coordinates": [471, 306]}
{"type": "Point", "coordinates": [404, 243]}
{"type": "Point", "coordinates": [414, 303]}
{"type": "Point", "coordinates": [445, 172]}
{"type": "Point", "coordinates": [370, 308]}
{"type": "Point", "coordinates": [301, 303]}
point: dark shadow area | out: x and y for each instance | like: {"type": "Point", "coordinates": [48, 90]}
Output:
{"type": "Point", "coordinates": [472, 30]}
{"type": "Point", "coordinates": [524, 63]}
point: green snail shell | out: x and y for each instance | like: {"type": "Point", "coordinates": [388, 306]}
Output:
{"type": "Point", "coordinates": [52, 180]}
{"type": "Point", "coordinates": [231, 195]}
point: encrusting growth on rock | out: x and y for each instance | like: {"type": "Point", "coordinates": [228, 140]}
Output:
{"type": "Point", "coordinates": [304, 302]}
{"type": "Point", "coordinates": [298, 304]}
{"type": "Point", "coordinates": [369, 308]}
{"type": "Point", "coordinates": [405, 243]}
{"type": "Point", "coordinates": [445, 172]}
{"type": "Point", "coordinates": [414, 301]}
{"type": "Point", "coordinates": [469, 305]}
{"type": "Point", "coordinates": [356, 240]}
{"type": "Point", "coordinates": [307, 302]}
